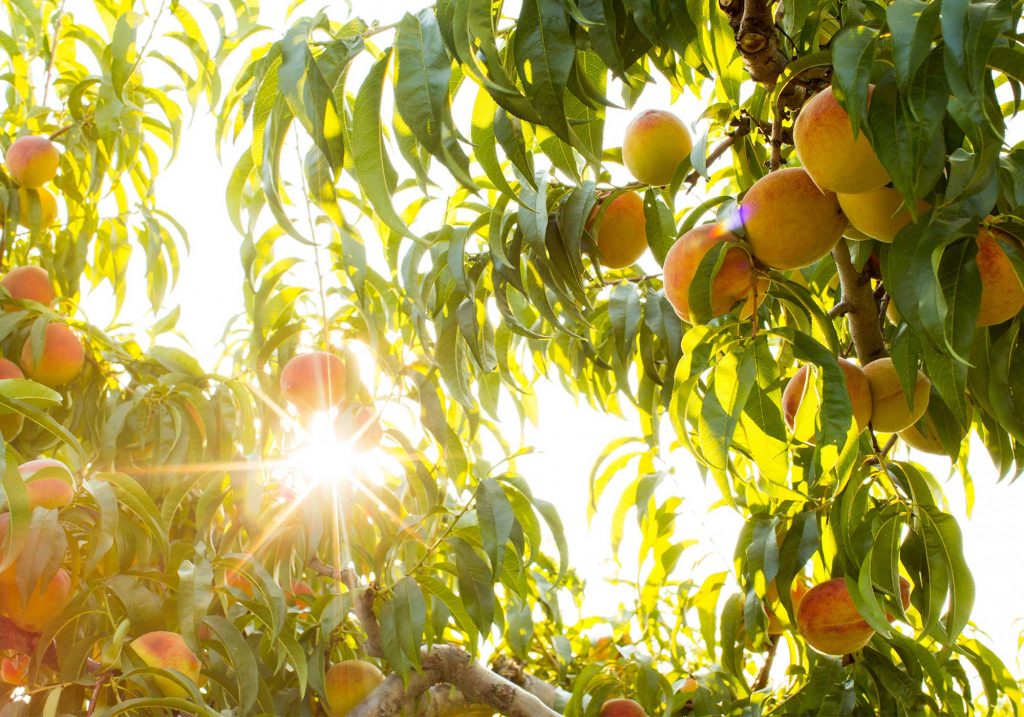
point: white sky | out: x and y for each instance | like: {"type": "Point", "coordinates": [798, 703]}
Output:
{"type": "Point", "coordinates": [209, 292]}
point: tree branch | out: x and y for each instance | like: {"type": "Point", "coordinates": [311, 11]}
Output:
{"type": "Point", "coordinates": [362, 604]}
{"type": "Point", "coordinates": [512, 670]}
{"type": "Point", "coordinates": [757, 38]}
{"type": "Point", "coordinates": [450, 665]}
{"type": "Point", "coordinates": [862, 309]}
{"type": "Point", "coordinates": [762, 677]}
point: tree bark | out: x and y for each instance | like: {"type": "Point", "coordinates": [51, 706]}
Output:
{"type": "Point", "coordinates": [757, 38]}
{"type": "Point", "coordinates": [450, 665]}
{"type": "Point", "coordinates": [860, 307]}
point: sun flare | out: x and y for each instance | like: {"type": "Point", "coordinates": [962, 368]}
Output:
{"type": "Point", "coordinates": [325, 455]}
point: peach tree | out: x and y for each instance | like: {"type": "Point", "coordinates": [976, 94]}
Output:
{"type": "Point", "coordinates": [433, 222]}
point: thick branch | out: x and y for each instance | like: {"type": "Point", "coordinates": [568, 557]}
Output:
{"type": "Point", "coordinates": [757, 38]}
{"type": "Point", "coordinates": [861, 307]}
{"type": "Point", "coordinates": [512, 670]}
{"type": "Point", "coordinates": [450, 665]}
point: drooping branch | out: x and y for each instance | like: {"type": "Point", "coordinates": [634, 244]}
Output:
{"type": "Point", "coordinates": [449, 665]}
{"type": "Point", "coordinates": [860, 306]}
{"type": "Point", "coordinates": [757, 38]}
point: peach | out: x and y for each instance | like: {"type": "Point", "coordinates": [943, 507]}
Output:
{"type": "Point", "coordinates": [348, 683]}
{"type": "Point", "coordinates": [37, 208]}
{"type": "Point", "coordinates": [238, 581]}
{"type": "Point", "coordinates": [14, 669]}
{"type": "Point", "coordinates": [801, 415]}
{"type": "Point", "coordinates": [301, 594]}
{"type": "Point", "coordinates": [776, 624]}
{"type": "Point", "coordinates": [830, 622]}
{"type": "Point", "coordinates": [622, 232]}
{"type": "Point", "coordinates": [314, 381]}
{"type": "Point", "coordinates": [62, 358]}
{"type": "Point", "coordinates": [43, 604]}
{"type": "Point", "coordinates": [32, 161]}
{"type": "Point", "coordinates": [622, 708]}
{"type": "Point", "coordinates": [10, 423]}
{"type": "Point", "coordinates": [789, 222]}
{"type": "Point", "coordinates": [890, 409]}
{"type": "Point", "coordinates": [733, 284]}
{"type": "Point", "coordinates": [689, 685]}
{"type": "Point", "coordinates": [878, 214]}
{"type": "Point", "coordinates": [655, 144]}
{"type": "Point", "coordinates": [1002, 295]}
{"type": "Point", "coordinates": [28, 283]}
{"type": "Point", "coordinates": [827, 149]}
{"type": "Point", "coordinates": [168, 651]}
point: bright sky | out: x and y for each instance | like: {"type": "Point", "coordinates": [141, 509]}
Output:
{"type": "Point", "coordinates": [209, 292]}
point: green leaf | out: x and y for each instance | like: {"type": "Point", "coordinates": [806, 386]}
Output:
{"type": "Point", "coordinates": [476, 584]}
{"type": "Point", "coordinates": [494, 512]}
{"type": "Point", "coordinates": [241, 658]}
{"type": "Point", "coordinates": [544, 52]}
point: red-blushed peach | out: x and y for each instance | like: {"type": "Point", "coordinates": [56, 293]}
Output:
{"type": "Point", "coordinates": [655, 144]}
{"type": "Point", "coordinates": [790, 223]}
{"type": "Point", "coordinates": [38, 610]}
{"type": "Point", "coordinates": [878, 214]}
{"type": "Point", "coordinates": [622, 708]}
{"type": "Point", "coordinates": [733, 284]}
{"type": "Point", "coordinates": [14, 669]}
{"type": "Point", "coordinates": [1002, 295]}
{"type": "Point", "coordinates": [830, 622]}
{"type": "Point", "coordinates": [801, 403]}
{"type": "Point", "coordinates": [32, 161]}
{"type": "Point", "coordinates": [890, 409]}
{"type": "Point", "coordinates": [827, 149]}
{"type": "Point", "coordinates": [349, 682]}
{"type": "Point", "coordinates": [314, 381]}
{"type": "Point", "coordinates": [37, 208]}
{"type": "Point", "coordinates": [12, 422]}
{"type": "Point", "coordinates": [168, 651]}
{"type": "Point", "coordinates": [301, 594]}
{"type": "Point", "coordinates": [622, 233]}
{"type": "Point", "coordinates": [28, 282]}
{"type": "Point", "coordinates": [62, 359]}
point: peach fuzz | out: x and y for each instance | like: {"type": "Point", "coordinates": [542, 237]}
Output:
{"type": "Point", "coordinates": [32, 161]}
{"type": "Point", "coordinates": [655, 144]}
{"type": "Point", "coordinates": [38, 610]}
{"type": "Point", "coordinates": [28, 283]}
{"type": "Point", "coordinates": [801, 402]}
{"type": "Point", "coordinates": [62, 358]}
{"type": "Point", "coordinates": [830, 622]}
{"type": "Point", "coordinates": [1002, 294]}
{"type": "Point", "coordinates": [733, 284]}
{"type": "Point", "coordinates": [622, 232]}
{"type": "Point", "coordinates": [168, 651]}
{"type": "Point", "coordinates": [789, 222]}
{"type": "Point", "coordinates": [824, 141]}
{"type": "Point", "coordinates": [314, 381]}
{"type": "Point", "coordinates": [348, 683]}
{"type": "Point", "coordinates": [36, 208]}
{"type": "Point", "coordinates": [890, 409]}
{"type": "Point", "coordinates": [878, 214]}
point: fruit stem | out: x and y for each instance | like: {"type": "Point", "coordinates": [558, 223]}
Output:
{"type": "Point", "coordinates": [862, 309]}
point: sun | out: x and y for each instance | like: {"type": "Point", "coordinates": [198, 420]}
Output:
{"type": "Point", "coordinates": [324, 456]}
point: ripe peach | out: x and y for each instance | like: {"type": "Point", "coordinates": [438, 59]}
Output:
{"type": "Point", "coordinates": [62, 358]}
{"type": "Point", "coordinates": [830, 622]}
{"type": "Point", "coordinates": [890, 410]}
{"type": "Point", "coordinates": [776, 624]}
{"type": "Point", "coordinates": [314, 381]}
{"type": "Point", "coordinates": [733, 283]}
{"type": "Point", "coordinates": [1002, 295]}
{"type": "Point", "coordinates": [790, 223]}
{"type": "Point", "coordinates": [301, 594]}
{"type": "Point", "coordinates": [656, 143]}
{"type": "Point", "coordinates": [689, 685]}
{"type": "Point", "coordinates": [32, 161]}
{"type": "Point", "coordinates": [348, 683]}
{"type": "Point", "coordinates": [10, 423]}
{"type": "Point", "coordinates": [622, 708]}
{"type": "Point", "coordinates": [239, 581]}
{"type": "Point", "coordinates": [43, 604]}
{"type": "Point", "coordinates": [14, 669]}
{"type": "Point", "coordinates": [827, 149]}
{"type": "Point", "coordinates": [801, 415]}
{"type": "Point", "coordinates": [36, 208]}
{"type": "Point", "coordinates": [28, 282]}
{"type": "Point", "coordinates": [622, 233]}
{"type": "Point", "coordinates": [878, 214]}
{"type": "Point", "coordinates": [168, 651]}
